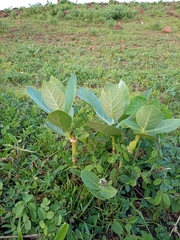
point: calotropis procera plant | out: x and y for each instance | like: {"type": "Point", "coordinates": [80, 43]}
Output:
{"type": "Point", "coordinates": [148, 119]}
{"type": "Point", "coordinates": [57, 101]}
{"type": "Point", "coordinates": [111, 106]}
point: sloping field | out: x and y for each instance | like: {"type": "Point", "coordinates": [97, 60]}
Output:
{"type": "Point", "coordinates": [40, 187]}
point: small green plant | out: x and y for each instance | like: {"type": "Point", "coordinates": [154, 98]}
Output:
{"type": "Point", "coordinates": [109, 108]}
{"type": "Point", "coordinates": [57, 101]}
{"type": "Point", "coordinates": [98, 187]}
{"type": "Point", "coordinates": [148, 120]}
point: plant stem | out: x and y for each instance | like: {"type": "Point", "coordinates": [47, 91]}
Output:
{"type": "Point", "coordinates": [99, 202]}
{"type": "Point", "coordinates": [137, 149]}
{"type": "Point", "coordinates": [113, 145]}
{"type": "Point", "coordinates": [73, 144]}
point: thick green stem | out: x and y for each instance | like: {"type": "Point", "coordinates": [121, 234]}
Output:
{"type": "Point", "coordinates": [73, 144]}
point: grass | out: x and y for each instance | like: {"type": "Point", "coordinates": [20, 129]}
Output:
{"type": "Point", "coordinates": [36, 186]}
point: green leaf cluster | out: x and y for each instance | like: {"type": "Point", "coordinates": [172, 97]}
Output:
{"type": "Point", "coordinates": [98, 187]}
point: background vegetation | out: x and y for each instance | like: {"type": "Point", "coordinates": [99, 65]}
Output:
{"type": "Point", "coordinates": [98, 43]}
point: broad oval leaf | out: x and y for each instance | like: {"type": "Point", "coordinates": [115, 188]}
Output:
{"type": "Point", "coordinates": [136, 103]}
{"type": "Point", "coordinates": [55, 129]}
{"type": "Point", "coordinates": [166, 199]}
{"type": "Point", "coordinates": [108, 192]}
{"type": "Point", "coordinates": [104, 129]}
{"type": "Point", "coordinates": [96, 193]}
{"type": "Point", "coordinates": [50, 214]}
{"type": "Point", "coordinates": [112, 101]}
{"type": "Point", "coordinates": [60, 119]}
{"type": "Point", "coordinates": [156, 103]}
{"type": "Point", "coordinates": [27, 225]}
{"type": "Point", "coordinates": [128, 123]}
{"type": "Point", "coordinates": [41, 213]}
{"type": "Point", "coordinates": [157, 181]}
{"type": "Point", "coordinates": [117, 228]}
{"type": "Point", "coordinates": [37, 97]}
{"type": "Point", "coordinates": [89, 97]}
{"type": "Point", "coordinates": [70, 93]}
{"type": "Point", "coordinates": [90, 180]}
{"type": "Point", "coordinates": [53, 96]}
{"type": "Point", "coordinates": [148, 117]}
{"type": "Point", "coordinates": [18, 209]}
{"type": "Point", "coordinates": [57, 83]}
{"type": "Point", "coordinates": [157, 200]}
{"type": "Point", "coordinates": [165, 126]}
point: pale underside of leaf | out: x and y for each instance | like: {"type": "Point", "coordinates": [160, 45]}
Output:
{"type": "Point", "coordinates": [37, 97]}
{"type": "Point", "coordinates": [148, 117]}
{"type": "Point", "coordinates": [112, 102]}
{"type": "Point", "coordinates": [55, 129]}
{"type": "Point", "coordinates": [89, 97]}
{"type": "Point", "coordinates": [70, 93]}
{"type": "Point", "coordinates": [54, 81]}
{"type": "Point", "coordinates": [165, 126]}
{"type": "Point", "coordinates": [128, 123]}
{"type": "Point", "coordinates": [53, 97]}
{"type": "Point", "coordinates": [108, 192]}
{"type": "Point", "coordinates": [125, 91]}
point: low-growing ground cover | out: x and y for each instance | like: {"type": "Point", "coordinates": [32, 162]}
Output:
{"type": "Point", "coordinates": [40, 187]}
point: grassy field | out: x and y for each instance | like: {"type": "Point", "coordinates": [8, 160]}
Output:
{"type": "Point", "coordinates": [40, 188]}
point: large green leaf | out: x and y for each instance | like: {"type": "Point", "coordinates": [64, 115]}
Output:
{"type": "Point", "coordinates": [54, 81]}
{"type": "Point", "coordinates": [136, 103]}
{"type": "Point", "coordinates": [130, 124]}
{"type": "Point", "coordinates": [53, 96]}
{"type": "Point", "coordinates": [165, 126]}
{"type": "Point", "coordinates": [90, 180]}
{"type": "Point", "coordinates": [60, 119]}
{"type": "Point", "coordinates": [148, 117]}
{"type": "Point", "coordinates": [70, 93]}
{"type": "Point", "coordinates": [156, 103]}
{"type": "Point", "coordinates": [55, 129]}
{"type": "Point", "coordinates": [112, 101]}
{"type": "Point", "coordinates": [37, 97]}
{"type": "Point", "coordinates": [89, 97]}
{"type": "Point", "coordinates": [125, 90]}
{"type": "Point", "coordinates": [104, 129]}
{"type": "Point", "coordinates": [108, 191]}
